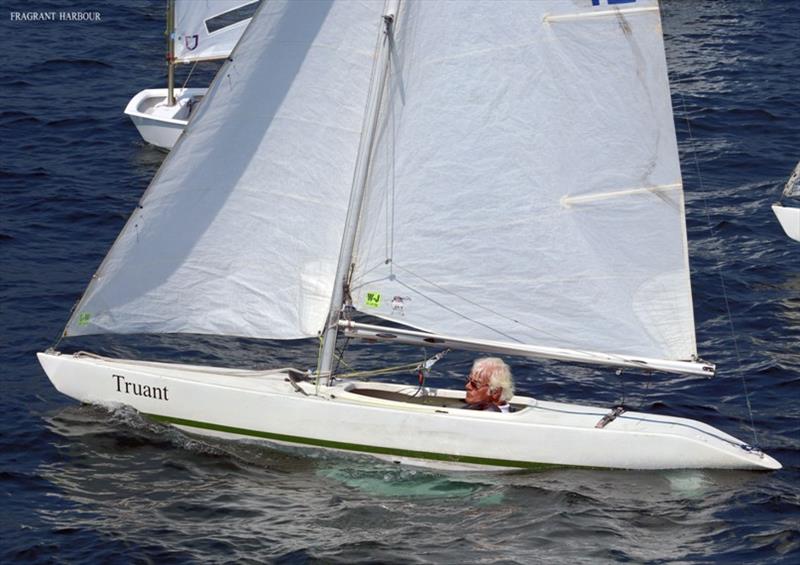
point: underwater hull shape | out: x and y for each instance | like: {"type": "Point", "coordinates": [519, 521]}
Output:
{"type": "Point", "coordinates": [158, 124]}
{"type": "Point", "coordinates": [431, 429]}
{"type": "Point", "coordinates": [789, 219]}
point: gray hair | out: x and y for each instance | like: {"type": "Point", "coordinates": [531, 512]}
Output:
{"type": "Point", "coordinates": [498, 373]}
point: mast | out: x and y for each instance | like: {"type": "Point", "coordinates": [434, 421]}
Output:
{"type": "Point", "coordinates": [357, 192]}
{"type": "Point", "coordinates": [170, 33]}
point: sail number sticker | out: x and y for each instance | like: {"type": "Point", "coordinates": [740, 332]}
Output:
{"type": "Point", "coordinates": [373, 299]}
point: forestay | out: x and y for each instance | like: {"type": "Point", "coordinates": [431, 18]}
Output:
{"type": "Point", "coordinates": [209, 29]}
{"type": "Point", "coordinates": [526, 186]}
{"type": "Point", "coordinates": [239, 231]}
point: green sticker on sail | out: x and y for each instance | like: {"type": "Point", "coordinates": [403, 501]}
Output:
{"type": "Point", "coordinates": [83, 319]}
{"type": "Point", "coordinates": [373, 299]}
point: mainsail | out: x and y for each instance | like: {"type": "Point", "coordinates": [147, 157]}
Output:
{"type": "Point", "coordinates": [209, 29]}
{"type": "Point", "coordinates": [239, 231]}
{"type": "Point", "coordinates": [526, 187]}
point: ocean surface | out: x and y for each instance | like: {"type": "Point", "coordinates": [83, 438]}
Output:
{"type": "Point", "coordinates": [80, 484]}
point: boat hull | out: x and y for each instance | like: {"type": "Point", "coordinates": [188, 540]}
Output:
{"type": "Point", "coordinates": [158, 124]}
{"type": "Point", "coordinates": [789, 219]}
{"type": "Point", "coordinates": [431, 429]}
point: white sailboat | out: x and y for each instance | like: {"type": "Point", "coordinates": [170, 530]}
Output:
{"type": "Point", "coordinates": [197, 30]}
{"type": "Point", "coordinates": [494, 176]}
{"type": "Point", "coordinates": [789, 216]}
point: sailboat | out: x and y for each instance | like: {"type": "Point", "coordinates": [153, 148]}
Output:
{"type": "Point", "coordinates": [197, 30]}
{"type": "Point", "coordinates": [789, 216]}
{"type": "Point", "coordinates": [497, 177]}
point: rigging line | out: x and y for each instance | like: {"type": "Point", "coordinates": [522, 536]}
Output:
{"type": "Point", "coordinates": [189, 76]}
{"type": "Point", "coordinates": [721, 276]}
{"type": "Point", "coordinates": [421, 374]}
{"type": "Point", "coordinates": [340, 357]}
{"type": "Point", "coordinates": [377, 372]}
{"type": "Point", "coordinates": [63, 333]}
{"type": "Point", "coordinates": [361, 277]}
{"type": "Point", "coordinates": [622, 387]}
{"type": "Point", "coordinates": [457, 313]}
{"type": "Point", "coordinates": [467, 300]}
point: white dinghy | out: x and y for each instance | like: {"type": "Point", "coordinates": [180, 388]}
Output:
{"type": "Point", "coordinates": [197, 31]}
{"type": "Point", "coordinates": [789, 216]}
{"type": "Point", "coordinates": [499, 177]}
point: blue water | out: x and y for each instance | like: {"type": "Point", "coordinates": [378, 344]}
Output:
{"type": "Point", "coordinates": [81, 484]}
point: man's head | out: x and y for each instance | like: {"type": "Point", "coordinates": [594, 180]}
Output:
{"type": "Point", "coordinates": [489, 382]}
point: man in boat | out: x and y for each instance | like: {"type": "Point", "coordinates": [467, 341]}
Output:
{"type": "Point", "coordinates": [490, 385]}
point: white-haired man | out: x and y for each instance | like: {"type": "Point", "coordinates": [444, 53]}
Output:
{"type": "Point", "coordinates": [490, 385]}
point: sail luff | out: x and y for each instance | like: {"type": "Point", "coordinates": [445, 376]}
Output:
{"type": "Point", "coordinates": [343, 269]}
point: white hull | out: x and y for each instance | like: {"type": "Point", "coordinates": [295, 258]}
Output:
{"type": "Point", "coordinates": [159, 124]}
{"type": "Point", "coordinates": [789, 219]}
{"type": "Point", "coordinates": [358, 417]}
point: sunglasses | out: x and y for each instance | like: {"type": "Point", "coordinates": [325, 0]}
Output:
{"type": "Point", "coordinates": [476, 384]}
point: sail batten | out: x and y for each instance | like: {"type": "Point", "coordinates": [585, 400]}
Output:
{"type": "Point", "coordinates": [598, 14]}
{"type": "Point", "coordinates": [571, 200]}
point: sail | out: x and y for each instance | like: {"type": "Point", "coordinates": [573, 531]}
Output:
{"type": "Point", "coordinates": [239, 232]}
{"type": "Point", "coordinates": [209, 29]}
{"type": "Point", "coordinates": [525, 186]}
{"type": "Point", "coordinates": [792, 188]}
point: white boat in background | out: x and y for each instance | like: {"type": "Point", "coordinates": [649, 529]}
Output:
{"type": "Point", "coordinates": [789, 216]}
{"type": "Point", "coordinates": [199, 30]}
{"type": "Point", "coordinates": [486, 185]}
{"type": "Point", "coordinates": [158, 122]}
